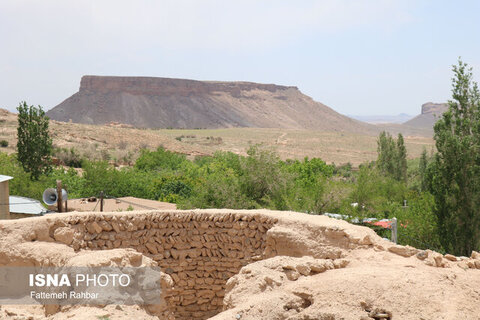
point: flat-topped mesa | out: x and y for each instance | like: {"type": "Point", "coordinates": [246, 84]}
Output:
{"type": "Point", "coordinates": [169, 86]}
{"type": "Point", "coordinates": [149, 102]}
{"type": "Point", "coordinates": [436, 108]}
{"type": "Point", "coordinates": [431, 112]}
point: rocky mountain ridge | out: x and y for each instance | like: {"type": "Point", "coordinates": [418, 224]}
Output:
{"type": "Point", "coordinates": [435, 108]}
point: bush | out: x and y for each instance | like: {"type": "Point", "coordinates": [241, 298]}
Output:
{"type": "Point", "coordinates": [159, 160]}
{"type": "Point", "coordinates": [217, 187]}
{"type": "Point", "coordinates": [122, 145]}
{"type": "Point", "coordinates": [3, 143]}
{"type": "Point", "coordinates": [418, 224]}
{"type": "Point", "coordinates": [377, 195]}
{"type": "Point", "coordinates": [68, 157]}
{"type": "Point", "coordinates": [344, 170]}
{"type": "Point", "coordinates": [260, 174]}
{"type": "Point", "coordinates": [21, 184]}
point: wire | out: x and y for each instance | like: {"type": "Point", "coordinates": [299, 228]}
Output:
{"type": "Point", "coordinates": [95, 206]}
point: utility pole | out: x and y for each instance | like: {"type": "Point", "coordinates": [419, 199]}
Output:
{"type": "Point", "coordinates": [101, 201]}
{"type": "Point", "coordinates": [394, 230]}
{"type": "Point", "coordinates": [59, 196]}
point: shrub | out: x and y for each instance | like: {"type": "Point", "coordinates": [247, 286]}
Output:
{"type": "Point", "coordinates": [122, 145]}
{"type": "Point", "coordinates": [105, 155]}
{"type": "Point", "coordinates": [68, 157]}
{"type": "Point", "coordinates": [418, 224]}
{"type": "Point", "coordinates": [160, 159]}
{"type": "Point", "coordinates": [3, 143]}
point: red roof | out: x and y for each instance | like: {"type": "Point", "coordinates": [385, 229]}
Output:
{"type": "Point", "coordinates": [387, 224]}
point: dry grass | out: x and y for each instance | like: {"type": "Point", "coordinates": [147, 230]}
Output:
{"type": "Point", "coordinates": [122, 145]}
{"type": "Point", "coordinates": [334, 147]}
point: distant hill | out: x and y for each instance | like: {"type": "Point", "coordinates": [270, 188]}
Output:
{"type": "Point", "coordinates": [177, 103]}
{"type": "Point", "coordinates": [431, 112]}
{"type": "Point", "coordinates": [375, 119]}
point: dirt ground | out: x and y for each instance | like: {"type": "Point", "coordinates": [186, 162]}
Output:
{"type": "Point", "coordinates": [122, 144]}
{"type": "Point", "coordinates": [313, 267]}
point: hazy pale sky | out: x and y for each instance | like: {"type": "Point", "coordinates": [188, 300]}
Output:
{"type": "Point", "coordinates": [356, 56]}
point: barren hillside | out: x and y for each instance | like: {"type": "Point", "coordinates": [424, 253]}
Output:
{"type": "Point", "coordinates": [177, 103]}
{"type": "Point", "coordinates": [431, 112]}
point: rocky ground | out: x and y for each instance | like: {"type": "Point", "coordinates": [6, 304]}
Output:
{"type": "Point", "coordinates": [312, 267]}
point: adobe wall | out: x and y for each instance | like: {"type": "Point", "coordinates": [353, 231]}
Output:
{"type": "Point", "coordinates": [199, 249]}
{"type": "Point", "coordinates": [4, 200]}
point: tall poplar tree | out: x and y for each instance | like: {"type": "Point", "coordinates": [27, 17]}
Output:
{"type": "Point", "coordinates": [422, 169]}
{"type": "Point", "coordinates": [387, 154]}
{"type": "Point", "coordinates": [34, 145]}
{"type": "Point", "coordinates": [455, 171]}
{"type": "Point", "coordinates": [392, 156]}
{"type": "Point", "coordinates": [401, 159]}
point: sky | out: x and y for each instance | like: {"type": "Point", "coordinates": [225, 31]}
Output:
{"type": "Point", "coordinates": [360, 57]}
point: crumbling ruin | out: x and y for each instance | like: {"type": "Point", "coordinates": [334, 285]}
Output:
{"type": "Point", "coordinates": [201, 250]}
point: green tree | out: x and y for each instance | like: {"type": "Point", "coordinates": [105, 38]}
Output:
{"type": "Point", "coordinates": [387, 155]}
{"type": "Point", "coordinates": [260, 174]}
{"type": "Point", "coordinates": [392, 156]}
{"type": "Point", "coordinates": [34, 144]}
{"type": "Point", "coordinates": [160, 159]}
{"type": "Point", "coordinates": [455, 172]}
{"type": "Point", "coordinates": [401, 159]}
{"type": "Point", "coordinates": [376, 194]}
{"type": "Point", "coordinates": [422, 169]}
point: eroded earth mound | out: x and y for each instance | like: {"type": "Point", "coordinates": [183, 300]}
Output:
{"type": "Point", "coordinates": [241, 264]}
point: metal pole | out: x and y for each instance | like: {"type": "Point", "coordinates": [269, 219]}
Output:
{"type": "Point", "coordinates": [101, 201]}
{"type": "Point", "coordinates": [66, 200]}
{"type": "Point", "coordinates": [394, 230]}
{"type": "Point", "coordinates": [59, 196]}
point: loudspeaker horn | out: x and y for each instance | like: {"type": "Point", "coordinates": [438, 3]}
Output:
{"type": "Point", "coordinates": [64, 195]}
{"type": "Point", "coordinates": [50, 196]}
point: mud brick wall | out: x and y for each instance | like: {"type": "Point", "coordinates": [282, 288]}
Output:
{"type": "Point", "coordinates": [199, 250]}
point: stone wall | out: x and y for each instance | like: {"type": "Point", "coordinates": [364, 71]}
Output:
{"type": "Point", "coordinates": [308, 267]}
{"type": "Point", "coordinates": [200, 251]}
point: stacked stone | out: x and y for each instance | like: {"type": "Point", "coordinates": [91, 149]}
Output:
{"type": "Point", "coordinates": [199, 250]}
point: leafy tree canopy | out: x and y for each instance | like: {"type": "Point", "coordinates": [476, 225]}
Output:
{"type": "Point", "coordinates": [454, 174]}
{"type": "Point", "coordinates": [34, 144]}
